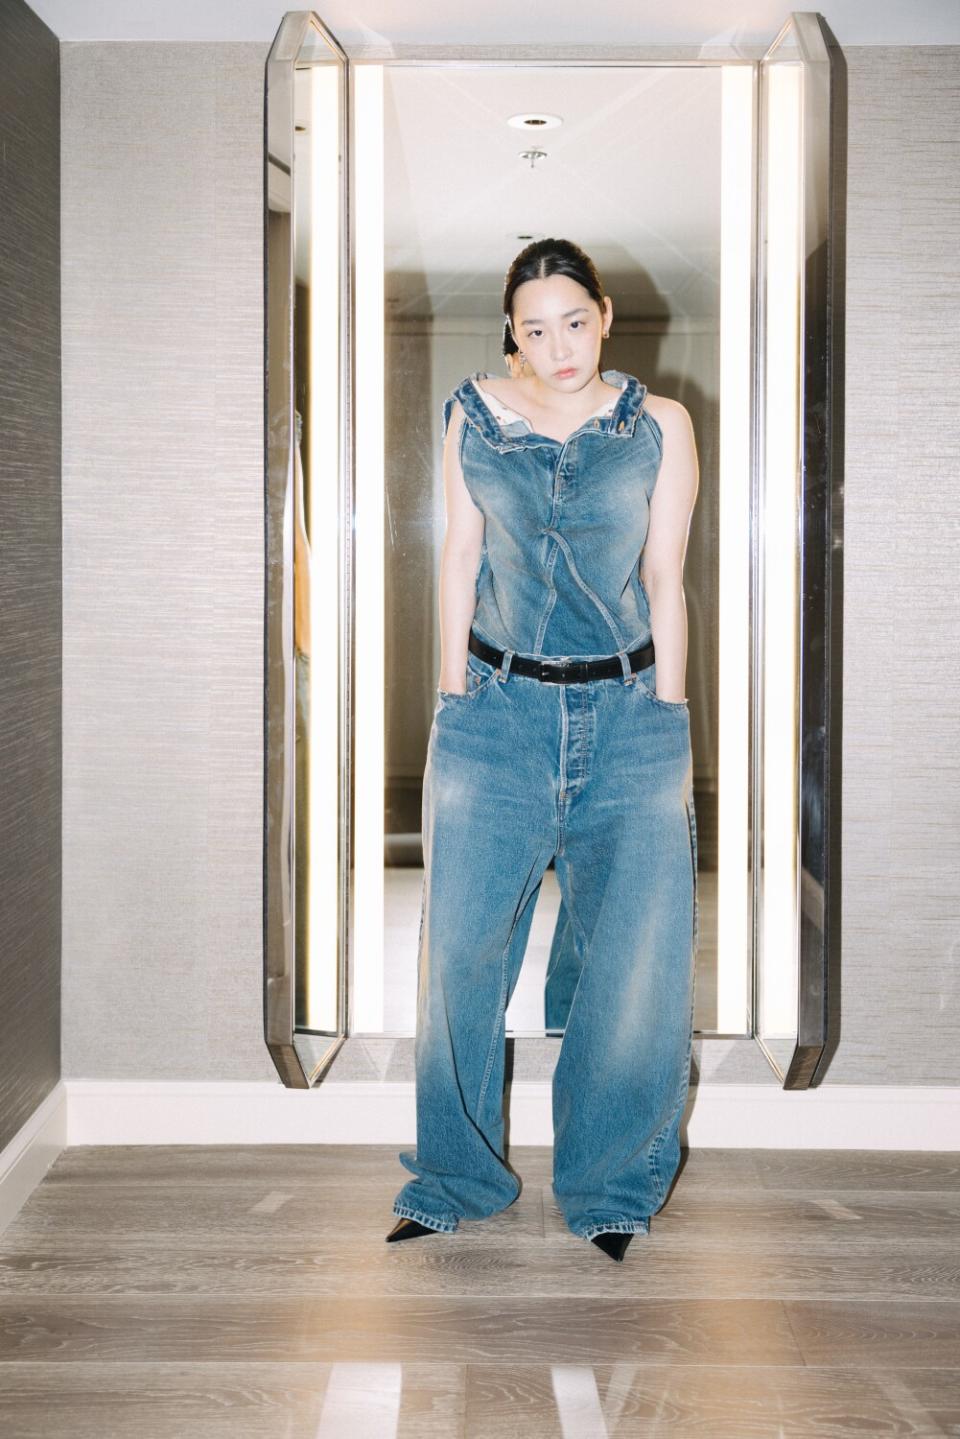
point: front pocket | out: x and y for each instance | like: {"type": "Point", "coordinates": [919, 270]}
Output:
{"type": "Point", "coordinates": [480, 674]}
{"type": "Point", "coordinates": [648, 691]}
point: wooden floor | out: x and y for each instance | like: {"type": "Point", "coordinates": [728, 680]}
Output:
{"type": "Point", "coordinates": [215, 1291]}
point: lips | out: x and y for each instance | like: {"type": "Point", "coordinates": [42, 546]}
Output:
{"type": "Point", "coordinates": [565, 374]}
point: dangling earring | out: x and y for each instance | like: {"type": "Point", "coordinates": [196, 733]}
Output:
{"type": "Point", "coordinates": [523, 358]}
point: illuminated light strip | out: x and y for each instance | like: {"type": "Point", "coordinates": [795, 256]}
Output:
{"type": "Point", "coordinates": [778, 997]}
{"type": "Point", "coordinates": [367, 992]}
{"type": "Point", "coordinates": [325, 579]}
{"type": "Point", "coordinates": [733, 739]}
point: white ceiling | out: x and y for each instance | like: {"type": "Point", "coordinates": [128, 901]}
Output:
{"type": "Point", "coordinates": [632, 175]}
{"type": "Point", "coordinates": [747, 23]}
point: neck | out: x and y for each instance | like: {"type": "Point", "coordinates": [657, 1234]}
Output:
{"type": "Point", "coordinates": [566, 401]}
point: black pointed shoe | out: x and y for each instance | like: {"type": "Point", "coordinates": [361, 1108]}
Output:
{"type": "Point", "coordinates": [614, 1245]}
{"type": "Point", "coordinates": [408, 1229]}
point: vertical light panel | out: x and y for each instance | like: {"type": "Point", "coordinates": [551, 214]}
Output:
{"type": "Point", "coordinates": [736, 250]}
{"type": "Point", "coordinates": [783, 297]}
{"type": "Point", "coordinates": [368, 973]}
{"type": "Point", "coordinates": [325, 599]}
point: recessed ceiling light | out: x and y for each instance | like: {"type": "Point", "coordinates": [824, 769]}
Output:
{"type": "Point", "coordinates": [535, 121]}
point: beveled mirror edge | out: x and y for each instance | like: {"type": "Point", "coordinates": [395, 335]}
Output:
{"type": "Point", "coordinates": [821, 831]}
{"type": "Point", "coordinates": [279, 988]}
{"type": "Point", "coordinates": [820, 729]}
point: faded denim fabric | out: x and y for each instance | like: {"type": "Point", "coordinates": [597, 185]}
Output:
{"type": "Point", "coordinates": [596, 776]}
{"type": "Point", "coordinates": [565, 526]}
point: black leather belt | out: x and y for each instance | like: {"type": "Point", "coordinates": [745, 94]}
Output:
{"type": "Point", "coordinates": [555, 671]}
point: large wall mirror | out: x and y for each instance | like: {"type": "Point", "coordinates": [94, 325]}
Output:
{"type": "Point", "coordinates": [397, 194]}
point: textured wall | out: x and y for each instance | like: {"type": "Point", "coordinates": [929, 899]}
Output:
{"type": "Point", "coordinates": [901, 825]}
{"type": "Point", "coordinates": [30, 565]}
{"type": "Point", "coordinates": [163, 560]}
{"type": "Point", "coordinates": [162, 497]}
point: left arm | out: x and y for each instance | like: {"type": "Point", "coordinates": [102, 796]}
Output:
{"type": "Point", "coordinates": [661, 564]}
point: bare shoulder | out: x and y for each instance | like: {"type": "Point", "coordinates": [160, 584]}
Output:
{"type": "Point", "coordinates": [669, 414]}
{"type": "Point", "coordinates": [676, 430]}
{"type": "Point", "coordinates": [502, 387]}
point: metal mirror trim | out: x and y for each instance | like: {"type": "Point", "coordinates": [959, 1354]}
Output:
{"type": "Point", "coordinates": [806, 42]}
{"type": "Point", "coordinates": [300, 1055]}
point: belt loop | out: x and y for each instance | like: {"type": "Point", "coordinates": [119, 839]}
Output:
{"type": "Point", "coordinates": [625, 666]}
{"type": "Point", "coordinates": [505, 665]}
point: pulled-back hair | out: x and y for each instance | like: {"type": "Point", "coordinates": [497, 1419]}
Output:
{"type": "Point", "coordinates": [544, 258]}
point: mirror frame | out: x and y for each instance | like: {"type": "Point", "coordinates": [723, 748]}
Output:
{"type": "Point", "coordinates": [298, 1070]}
{"type": "Point", "coordinates": [820, 535]}
{"type": "Point", "coordinates": [820, 552]}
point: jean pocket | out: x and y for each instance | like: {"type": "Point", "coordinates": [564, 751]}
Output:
{"type": "Point", "coordinates": [646, 684]}
{"type": "Point", "coordinates": [479, 675]}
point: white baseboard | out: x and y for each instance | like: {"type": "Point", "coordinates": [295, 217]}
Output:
{"type": "Point", "coordinates": [734, 1116]}
{"type": "Point", "coordinates": [719, 1116]}
{"type": "Point", "coordinates": [30, 1153]}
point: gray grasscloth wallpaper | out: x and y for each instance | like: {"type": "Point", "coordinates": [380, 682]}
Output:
{"type": "Point", "coordinates": [163, 547]}
{"type": "Point", "coordinates": [29, 565]}
{"type": "Point", "coordinates": [163, 559]}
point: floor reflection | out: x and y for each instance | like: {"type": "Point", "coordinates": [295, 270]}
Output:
{"type": "Point", "coordinates": [361, 1401]}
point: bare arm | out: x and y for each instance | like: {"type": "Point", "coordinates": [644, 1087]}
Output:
{"type": "Point", "coordinates": [661, 565]}
{"type": "Point", "coordinates": [459, 562]}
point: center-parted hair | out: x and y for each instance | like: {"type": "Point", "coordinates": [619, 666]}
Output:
{"type": "Point", "coordinates": [544, 258]}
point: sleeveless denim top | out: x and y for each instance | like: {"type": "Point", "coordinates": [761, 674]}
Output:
{"type": "Point", "coordinates": [565, 524]}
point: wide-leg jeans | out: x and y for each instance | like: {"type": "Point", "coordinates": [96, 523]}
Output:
{"type": "Point", "coordinates": [597, 776]}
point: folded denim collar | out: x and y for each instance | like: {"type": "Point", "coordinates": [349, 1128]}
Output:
{"type": "Point", "coordinates": [516, 434]}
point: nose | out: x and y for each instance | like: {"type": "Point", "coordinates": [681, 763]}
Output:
{"type": "Point", "coordinates": [561, 348]}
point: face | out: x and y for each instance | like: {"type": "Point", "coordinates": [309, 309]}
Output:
{"type": "Point", "coordinates": [559, 329]}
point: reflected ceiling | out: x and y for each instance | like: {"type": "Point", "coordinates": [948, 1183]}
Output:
{"type": "Point", "coordinates": [633, 175]}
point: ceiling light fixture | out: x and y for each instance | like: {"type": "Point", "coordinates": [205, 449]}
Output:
{"type": "Point", "coordinates": [537, 120]}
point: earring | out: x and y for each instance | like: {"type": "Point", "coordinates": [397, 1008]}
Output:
{"type": "Point", "coordinates": [606, 334]}
{"type": "Point", "coordinates": [523, 358]}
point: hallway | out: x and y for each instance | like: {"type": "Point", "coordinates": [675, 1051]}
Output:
{"type": "Point", "coordinates": [248, 1291]}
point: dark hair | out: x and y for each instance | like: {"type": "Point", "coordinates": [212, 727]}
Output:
{"type": "Point", "coordinates": [544, 258]}
{"type": "Point", "coordinates": [510, 346]}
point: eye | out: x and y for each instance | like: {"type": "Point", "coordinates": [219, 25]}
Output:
{"type": "Point", "coordinates": [575, 323]}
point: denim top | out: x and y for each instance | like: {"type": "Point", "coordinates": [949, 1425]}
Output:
{"type": "Point", "coordinates": [564, 524]}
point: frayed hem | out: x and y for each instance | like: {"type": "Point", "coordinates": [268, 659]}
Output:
{"type": "Point", "coordinates": [429, 1221]}
{"type": "Point", "coordinates": [614, 1226]}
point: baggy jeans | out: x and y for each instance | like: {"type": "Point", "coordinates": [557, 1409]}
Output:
{"type": "Point", "coordinates": [599, 777]}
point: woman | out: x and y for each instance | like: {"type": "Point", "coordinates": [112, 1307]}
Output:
{"type": "Point", "coordinates": [569, 497]}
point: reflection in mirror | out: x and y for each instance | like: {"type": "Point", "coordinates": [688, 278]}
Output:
{"type": "Point", "coordinates": [304, 811]}
{"type": "Point", "coordinates": [447, 193]}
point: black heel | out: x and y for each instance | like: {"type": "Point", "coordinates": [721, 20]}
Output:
{"type": "Point", "coordinates": [408, 1229]}
{"type": "Point", "coordinates": [614, 1245]}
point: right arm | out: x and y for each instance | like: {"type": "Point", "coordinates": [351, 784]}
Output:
{"type": "Point", "coordinates": [459, 561]}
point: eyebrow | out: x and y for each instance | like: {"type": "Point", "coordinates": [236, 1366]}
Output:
{"type": "Point", "coordinates": [580, 310]}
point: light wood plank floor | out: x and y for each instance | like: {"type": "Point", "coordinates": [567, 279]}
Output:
{"type": "Point", "coordinates": [212, 1291]}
